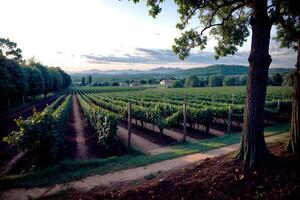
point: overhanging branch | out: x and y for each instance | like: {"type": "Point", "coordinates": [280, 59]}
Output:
{"type": "Point", "coordinates": [210, 25]}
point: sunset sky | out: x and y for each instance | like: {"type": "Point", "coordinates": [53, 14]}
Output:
{"type": "Point", "coordinates": [107, 34]}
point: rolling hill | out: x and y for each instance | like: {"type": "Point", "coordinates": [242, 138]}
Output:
{"type": "Point", "coordinates": [169, 72]}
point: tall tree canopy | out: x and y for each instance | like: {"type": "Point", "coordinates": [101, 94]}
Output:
{"type": "Point", "coordinates": [229, 21]}
{"type": "Point", "coordinates": [18, 78]}
{"type": "Point", "coordinates": [90, 79]}
{"type": "Point", "coordinates": [48, 79]}
{"type": "Point", "coordinates": [36, 81]}
{"type": "Point", "coordinates": [10, 50]}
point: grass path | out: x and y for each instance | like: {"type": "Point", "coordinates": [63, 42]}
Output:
{"type": "Point", "coordinates": [123, 175]}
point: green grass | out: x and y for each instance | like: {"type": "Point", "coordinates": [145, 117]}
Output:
{"type": "Point", "coordinates": [73, 170]}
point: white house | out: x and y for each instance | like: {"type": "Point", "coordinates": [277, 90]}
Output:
{"type": "Point", "coordinates": [166, 82]}
{"type": "Point", "coordinates": [135, 84]}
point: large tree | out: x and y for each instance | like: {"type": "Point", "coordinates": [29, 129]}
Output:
{"type": "Point", "coordinates": [9, 49]}
{"type": "Point", "coordinates": [48, 79]}
{"type": "Point", "coordinates": [288, 35]}
{"type": "Point", "coordinates": [228, 22]}
{"type": "Point", "coordinates": [58, 80]}
{"type": "Point", "coordinates": [35, 80]}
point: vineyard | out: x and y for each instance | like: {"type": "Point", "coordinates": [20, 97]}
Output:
{"type": "Point", "coordinates": [204, 109]}
{"type": "Point", "coordinates": [100, 122]}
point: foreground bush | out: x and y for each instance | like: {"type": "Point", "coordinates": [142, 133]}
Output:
{"type": "Point", "coordinates": [43, 132]}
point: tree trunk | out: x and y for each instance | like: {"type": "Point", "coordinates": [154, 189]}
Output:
{"type": "Point", "coordinates": [253, 148]}
{"type": "Point", "coordinates": [293, 145]}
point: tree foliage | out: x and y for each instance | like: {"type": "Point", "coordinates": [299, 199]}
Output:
{"type": "Point", "coordinates": [228, 22]}
{"type": "Point", "coordinates": [90, 79]}
{"type": "Point", "coordinates": [178, 83]}
{"type": "Point", "coordinates": [18, 78]}
{"type": "Point", "coordinates": [230, 81]}
{"type": "Point", "coordinates": [192, 81]}
{"type": "Point", "coordinates": [288, 35]}
{"type": "Point", "coordinates": [83, 81]}
{"type": "Point", "coordinates": [277, 79]}
{"type": "Point", "coordinates": [215, 81]}
{"type": "Point", "coordinates": [35, 80]}
{"type": "Point", "coordinates": [9, 49]}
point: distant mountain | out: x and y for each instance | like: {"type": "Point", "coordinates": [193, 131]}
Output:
{"type": "Point", "coordinates": [110, 72]}
{"type": "Point", "coordinates": [159, 70]}
{"type": "Point", "coordinates": [168, 72]}
{"type": "Point", "coordinates": [227, 70]}
{"type": "Point", "coordinates": [280, 70]}
{"type": "Point", "coordinates": [164, 70]}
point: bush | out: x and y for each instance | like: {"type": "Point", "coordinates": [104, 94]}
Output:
{"type": "Point", "coordinates": [43, 131]}
{"type": "Point", "coordinates": [38, 132]}
{"type": "Point", "coordinates": [178, 83]}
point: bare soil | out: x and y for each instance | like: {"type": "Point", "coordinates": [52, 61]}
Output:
{"type": "Point", "coordinates": [83, 138]}
{"type": "Point", "coordinates": [150, 135]}
{"type": "Point", "coordinates": [217, 178]}
{"type": "Point", "coordinates": [194, 133]}
{"type": "Point", "coordinates": [137, 142]}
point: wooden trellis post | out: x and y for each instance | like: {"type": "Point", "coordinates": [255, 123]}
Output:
{"type": "Point", "coordinates": [23, 100]}
{"type": "Point", "coordinates": [229, 119]}
{"type": "Point", "coordinates": [8, 103]}
{"type": "Point", "coordinates": [129, 125]}
{"type": "Point", "coordinates": [184, 119]}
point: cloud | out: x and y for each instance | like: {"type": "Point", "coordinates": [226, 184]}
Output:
{"type": "Point", "coordinates": [281, 58]}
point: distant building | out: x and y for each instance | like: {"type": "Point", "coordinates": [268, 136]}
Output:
{"type": "Point", "coordinates": [77, 83]}
{"type": "Point", "coordinates": [123, 84]}
{"type": "Point", "coordinates": [135, 84]}
{"type": "Point", "coordinates": [166, 82]}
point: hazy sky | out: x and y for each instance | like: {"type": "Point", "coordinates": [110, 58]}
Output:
{"type": "Point", "coordinates": [107, 34]}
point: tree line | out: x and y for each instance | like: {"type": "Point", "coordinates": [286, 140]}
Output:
{"type": "Point", "coordinates": [20, 78]}
{"type": "Point", "coordinates": [220, 80]}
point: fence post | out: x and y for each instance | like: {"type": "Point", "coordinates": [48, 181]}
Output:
{"type": "Point", "coordinates": [278, 103]}
{"type": "Point", "coordinates": [184, 119]}
{"type": "Point", "coordinates": [23, 100]}
{"type": "Point", "coordinates": [229, 119]}
{"type": "Point", "coordinates": [129, 125]}
{"type": "Point", "coordinates": [8, 103]}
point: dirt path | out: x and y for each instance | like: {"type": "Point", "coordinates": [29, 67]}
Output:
{"type": "Point", "coordinates": [171, 133]}
{"type": "Point", "coordinates": [88, 183]}
{"type": "Point", "coordinates": [10, 165]}
{"type": "Point", "coordinates": [140, 143]}
{"type": "Point", "coordinates": [82, 148]}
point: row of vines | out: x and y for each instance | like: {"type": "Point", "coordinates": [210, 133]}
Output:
{"type": "Point", "coordinates": [163, 108]}
{"type": "Point", "coordinates": [44, 131]}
